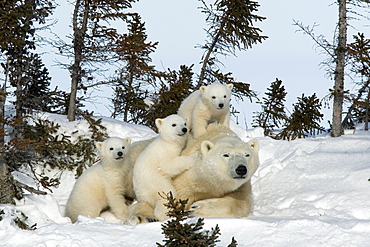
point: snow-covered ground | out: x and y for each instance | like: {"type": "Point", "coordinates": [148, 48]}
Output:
{"type": "Point", "coordinates": [307, 192]}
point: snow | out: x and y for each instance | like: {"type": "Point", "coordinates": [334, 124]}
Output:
{"type": "Point", "coordinates": [307, 192]}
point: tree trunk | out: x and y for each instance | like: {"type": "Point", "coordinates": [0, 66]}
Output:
{"type": "Point", "coordinates": [206, 60]}
{"type": "Point", "coordinates": [367, 111]}
{"type": "Point", "coordinates": [7, 190]}
{"type": "Point", "coordinates": [340, 52]}
{"type": "Point", "coordinates": [208, 55]}
{"type": "Point", "coordinates": [78, 45]}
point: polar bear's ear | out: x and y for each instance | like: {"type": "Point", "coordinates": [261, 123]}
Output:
{"type": "Point", "coordinates": [99, 145]}
{"type": "Point", "coordinates": [230, 86]}
{"type": "Point", "coordinates": [202, 89]}
{"type": "Point", "coordinates": [158, 122]}
{"type": "Point", "coordinates": [128, 140]}
{"type": "Point", "coordinates": [253, 144]}
{"type": "Point", "coordinates": [206, 146]}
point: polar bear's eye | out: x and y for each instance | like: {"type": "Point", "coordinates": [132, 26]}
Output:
{"type": "Point", "coordinates": [111, 148]}
{"type": "Point", "coordinates": [185, 124]}
{"type": "Point", "coordinates": [225, 96]}
{"type": "Point", "coordinates": [123, 147]}
{"type": "Point", "coordinates": [173, 125]}
{"type": "Point", "coordinates": [213, 97]}
{"type": "Point", "coordinates": [226, 155]}
{"type": "Point", "coordinates": [247, 155]}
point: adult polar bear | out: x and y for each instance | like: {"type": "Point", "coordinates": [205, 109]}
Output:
{"type": "Point", "coordinates": [209, 103]}
{"type": "Point", "coordinates": [218, 184]}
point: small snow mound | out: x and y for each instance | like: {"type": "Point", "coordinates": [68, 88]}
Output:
{"type": "Point", "coordinates": [244, 134]}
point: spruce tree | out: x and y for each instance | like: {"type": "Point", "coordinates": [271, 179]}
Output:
{"type": "Point", "coordinates": [359, 57]}
{"type": "Point", "coordinates": [273, 110]}
{"type": "Point", "coordinates": [174, 87]}
{"type": "Point", "coordinates": [180, 234]}
{"type": "Point", "coordinates": [34, 92]}
{"type": "Point", "coordinates": [134, 78]}
{"type": "Point", "coordinates": [93, 43]}
{"type": "Point", "coordinates": [183, 234]}
{"type": "Point", "coordinates": [230, 28]}
{"type": "Point", "coordinates": [337, 52]}
{"type": "Point", "coordinates": [304, 120]}
{"type": "Point", "coordinates": [17, 32]}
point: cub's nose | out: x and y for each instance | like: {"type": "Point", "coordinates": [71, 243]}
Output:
{"type": "Point", "coordinates": [184, 130]}
{"type": "Point", "coordinates": [241, 170]}
{"type": "Point", "coordinates": [120, 153]}
{"type": "Point", "coordinates": [221, 105]}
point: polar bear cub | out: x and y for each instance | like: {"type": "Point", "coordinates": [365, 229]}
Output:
{"type": "Point", "coordinates": [161, 161]}
{"type": "Point", "coordinates": [208, 104]}
{"type": "Point", "coordinates": [104, 184]}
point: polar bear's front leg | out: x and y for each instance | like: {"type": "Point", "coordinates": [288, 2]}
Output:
{"type": "Point", "coordinates": [140, 212]}
{"type": "Point", "coordinates": [178, 165]}
{"type": "Point", "coordinates": [117, 204]}
{"type": "Point", "coordinates": [236, 204]}
{"type": "Point", "coordinates": [199, 124]}
{"type": "Point", "coordinates": [225, 120]}
{"type": "Point", "coordinates": [220, 207]}
{"type": "Point", "coordinates": [160, 210]}
{"type": "Point", "coordinates": [115, 196]}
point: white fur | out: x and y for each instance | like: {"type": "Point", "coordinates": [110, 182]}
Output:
{"type": "Point", "coordinates": [208, 104]}
{"type": "Point", "coordinates": [104, 184]}
{"type": "Point", "coordinates": [160, 162]}
{"type": "Point", "coordinates": [218, 184]}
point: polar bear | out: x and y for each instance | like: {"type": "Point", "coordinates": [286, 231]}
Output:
{"type": "Point", "coordinates": [208, 104]}
{"type": "Point", "coordinates": [218, 184]}
{"type": "Point", "coordinates": [159, 162]}
{"type": "Point", "coordinates": [105, 184]}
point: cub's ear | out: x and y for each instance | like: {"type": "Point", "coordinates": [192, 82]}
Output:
{"type": "Point", "coordinates": [230, 86]}
{"type": "Point", "coordinates": [99, 145]}
{"type": "Point", "coordinates": [158, 122]}
{"type": "Point", "coordinates": [202, 89]}
{"type": "Point", "coordinates": [128, 140]}
{"type": "Point", "coordinates": [254, 145]}
{"type": "Point", "coordinates": [206, 147]}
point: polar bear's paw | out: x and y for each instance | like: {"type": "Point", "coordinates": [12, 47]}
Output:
{"type": "Point", "coordinates": [135, 220]}
{"type": "Point", "coordinates": [209, 208]}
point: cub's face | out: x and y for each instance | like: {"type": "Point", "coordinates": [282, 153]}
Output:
{"type": "Point", "coordinates": [113, 148]}
{"type": "Point", "coordinates": [232, 163]}
{"type": "Point", "coordinates": [172, 126]}
{"type": "Point", "coordinates": [217, 95]}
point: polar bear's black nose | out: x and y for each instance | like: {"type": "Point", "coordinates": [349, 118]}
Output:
{"type": "Point", "coordinates": [221, 105]}
{"type": "Point", "coordinates": [241, 170]}
{"type": "Point", "coordinates": [120, 153]}
{"type": "Point", "coordinates": [184, 130]}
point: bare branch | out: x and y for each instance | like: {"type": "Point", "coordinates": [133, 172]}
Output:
{"type": "Point", "coordinates": [28, 188]}
{"type": "Point", "coordinates": [319, 40]}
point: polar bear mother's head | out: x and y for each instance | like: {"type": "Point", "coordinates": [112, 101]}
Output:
{"type": "Point", "coordinates": [231, 163]}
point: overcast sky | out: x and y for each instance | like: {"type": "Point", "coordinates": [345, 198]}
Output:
{"type": "Point", "coordinates": [287, 54]}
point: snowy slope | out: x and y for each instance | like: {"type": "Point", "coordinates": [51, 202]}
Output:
{"type": "Point", "coordinates": [307, 192]}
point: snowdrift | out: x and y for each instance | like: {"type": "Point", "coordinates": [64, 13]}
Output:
{"type": "Point", "coordinates": [307, 192]}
